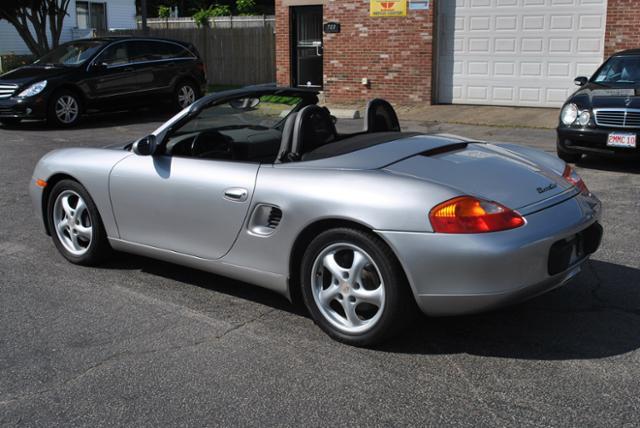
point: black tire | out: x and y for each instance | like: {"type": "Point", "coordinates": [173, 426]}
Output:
{"type": "Point", "coordinates": [399, 305]}
{"type": "Point", "coordinates": [188, 85]}
{"type": "Point", "coordinates": [10, 121]}
{"type": "Point", "coordinates": [98, 249]}
{"type": "Point", "coordinates": [61, 96]}
{"type": "Point", "coordinates": [569, 157]}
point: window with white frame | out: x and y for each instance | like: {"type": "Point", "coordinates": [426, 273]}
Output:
{"type": "Point", "coordinates": [91, 14]}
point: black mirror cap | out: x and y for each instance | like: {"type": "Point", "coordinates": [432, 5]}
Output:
{"type": "Point", "coordinates": [145, 146]}
{"type": "Point", "coordinates": [580, 81]}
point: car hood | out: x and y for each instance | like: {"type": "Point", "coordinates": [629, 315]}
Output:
{"type": "Point", "coordinates": [515, 177]}
{"type": "Point", "coordinates": [607, 96]}
{"type": "Point", "coordinates": [31, 74]}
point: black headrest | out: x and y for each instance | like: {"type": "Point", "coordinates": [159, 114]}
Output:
{"type": "Point", "coordinates": [287, 138]}
{"type": "Point", "coordinates": [380, 117]}
{"type": "Point", "coordinates": [314, 128]}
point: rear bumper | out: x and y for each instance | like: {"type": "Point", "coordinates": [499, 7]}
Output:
{"type": "Point", "coordinates": [592, 140]}
{"type": "Point", "coordinates": [460, 274]}
{"type": "Point", "coordinates": [23, 108]}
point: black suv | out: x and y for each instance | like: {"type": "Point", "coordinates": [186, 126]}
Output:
{"type": "Point", "coordinates": [102, 74]}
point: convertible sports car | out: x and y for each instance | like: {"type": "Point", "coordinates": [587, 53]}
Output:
{"type": "Point", "coordinates": [257, 184]}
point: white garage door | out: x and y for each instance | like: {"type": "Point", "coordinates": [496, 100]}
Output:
{"type": "Point", "coordinates": [517, 52]}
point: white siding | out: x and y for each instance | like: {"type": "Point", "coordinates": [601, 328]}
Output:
{"type": "Point", "coordinates": [120, 14]}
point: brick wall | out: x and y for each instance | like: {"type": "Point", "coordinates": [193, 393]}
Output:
{"type": "Point", "coordinates": [283, 55]}
{"type": "Point", "coordinates": [395, 54]}
{"type": "Point", "coordinates": [623, 29]}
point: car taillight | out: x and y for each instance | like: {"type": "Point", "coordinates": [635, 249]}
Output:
{"type": "Point", "coordinates": [572, 177]}
{"type": "Point", "coordinates": [202, 68]}
{"type": "Point", "coordinates": [467, 214]}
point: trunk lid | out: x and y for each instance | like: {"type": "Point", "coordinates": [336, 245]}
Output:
{"type": "Point", "coordinates": [487, 171]}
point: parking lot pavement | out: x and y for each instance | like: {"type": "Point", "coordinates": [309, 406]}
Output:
{"type": "Point", "coordinates": [140, 342]}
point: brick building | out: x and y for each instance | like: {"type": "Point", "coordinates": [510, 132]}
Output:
{"type": "Point", "coordinates": [497, 52]}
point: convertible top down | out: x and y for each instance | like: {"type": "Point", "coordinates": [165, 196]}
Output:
{"type": "Point", "coordinates": [258, 185]}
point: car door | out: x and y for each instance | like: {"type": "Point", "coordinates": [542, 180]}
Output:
{"type": "Point", "coordinates": [171, 60]}
{"type": "Point", "coordinates": [190, 206]}
{"type": "Point", "coordinates": [149, 70]}
{"type": "Point", "coordinates": [111, 77]}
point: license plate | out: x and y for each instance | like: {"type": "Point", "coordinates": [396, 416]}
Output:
{"type": "Point", "coordinates": [617, 139]}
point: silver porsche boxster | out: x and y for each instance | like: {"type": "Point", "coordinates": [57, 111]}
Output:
{"type": "Point", "coordinates": [257, 184]}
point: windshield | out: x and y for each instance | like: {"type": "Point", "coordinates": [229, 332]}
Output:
{"type": "Point", "coordinates": [620, 69]}
{"type": "Point", "coordinates": [71, 54]}
{"type": "Point", "coordinates": [264, 112]}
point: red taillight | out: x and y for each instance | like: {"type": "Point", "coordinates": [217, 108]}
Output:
{"type": "Point", "coordinates": [572, 177]}
{"type": "Point", "coordinates": [467, 214]}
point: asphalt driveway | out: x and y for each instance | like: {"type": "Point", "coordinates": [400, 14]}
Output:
{"type": "Point", "coordinates": [144, 343]}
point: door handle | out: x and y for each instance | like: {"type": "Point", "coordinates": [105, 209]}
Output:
{"type": "Point", "coordinates": [236, 194]}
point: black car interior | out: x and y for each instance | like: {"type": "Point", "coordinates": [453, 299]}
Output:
{"type": "Point", "coordinates": [308, 132]}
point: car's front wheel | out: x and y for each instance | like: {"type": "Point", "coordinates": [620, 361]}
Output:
{"type": "Point", "coordinates": [65, 109]}
{"type": "Point", "coordinates": [75, 224]}
{"type": "Point", "coordinates": [354, 287]}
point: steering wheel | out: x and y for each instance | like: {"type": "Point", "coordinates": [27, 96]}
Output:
{"type": "Point", "coordinates": [214, 145]}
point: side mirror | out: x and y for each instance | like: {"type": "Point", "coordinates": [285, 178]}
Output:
{"type": "Point", "coordinates": [581, 81]}
{"type": "Point", "coordinates": [97, 66]}
{"type": "Point", "coordinates": [145, 146]}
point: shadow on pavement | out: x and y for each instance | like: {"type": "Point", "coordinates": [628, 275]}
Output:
{"type": "Point", "coordinates": [610, 165]}
{"type": "Point", "coordinates": [206, 280]}
{"type": "Point", "coordinates": [596, 315]}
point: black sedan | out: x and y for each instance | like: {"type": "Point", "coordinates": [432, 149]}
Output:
{"type": "Point", "coordinates": [603, 116]}
{"type": "Point", "coordinates": [102, 74]}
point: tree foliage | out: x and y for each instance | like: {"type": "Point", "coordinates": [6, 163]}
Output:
{"type": "Point", "coordinates": [246, 7]}
{"type": "Point", "coordinates": [38, 22]}
{"type": "Point", "coordinates": [190, 7]}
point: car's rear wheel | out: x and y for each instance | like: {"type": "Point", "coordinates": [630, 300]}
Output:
{"type": "Point", "coordinates": [65, 109]}
{"type": "Point", "coordinates": [75, 224]}
{"type": "Point", "coordinates": [10, 121]}
{"type": "Point", "coordinates": [354, 287]}
{"type": "Point", "coordinates": [186, 93]}
{"type": "Point", "coordinates": [569, 157]}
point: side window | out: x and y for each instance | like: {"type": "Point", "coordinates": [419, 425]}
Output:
{"type": "Point", "coordinates": [116, 54]}
{"type": "Point", "coordinates": [163, 50]}
{"type": "Point", "coordinates": [141, 51]}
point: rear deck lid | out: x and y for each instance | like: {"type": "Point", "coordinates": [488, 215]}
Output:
{"type": "Point", "coordinates": [486, 171]}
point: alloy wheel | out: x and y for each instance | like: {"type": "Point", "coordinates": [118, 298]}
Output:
{"type": "Point", "coordinates": [348, 288]}
{"type": "Point", "coordinates": [186, 96]}
{"type": "Point", "coordinates": [67, 109]}
{"type": "Point", "coordinates": [72, 222]}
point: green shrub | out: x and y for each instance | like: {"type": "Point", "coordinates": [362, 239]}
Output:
{"type": "Point", "coordinates": [246, 7]}
{"type": "Point", "coordinates": [221, 10]}
{"type": "Point", "coordinates": [164, 12]}
{"type": "Point", "coordinates": [202, 16]}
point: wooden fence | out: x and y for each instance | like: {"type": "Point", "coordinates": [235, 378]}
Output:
{"type": "Point", "coordinates": [234, 56]}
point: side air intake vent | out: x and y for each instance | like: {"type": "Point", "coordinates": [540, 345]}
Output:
{"type": "Point", "coordinates": [275, 215]}
{"type": "Point", "coordinates": [265, 219]}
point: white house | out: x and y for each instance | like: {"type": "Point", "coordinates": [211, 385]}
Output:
{"type": "Point", "coordinates": [83, 16]}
